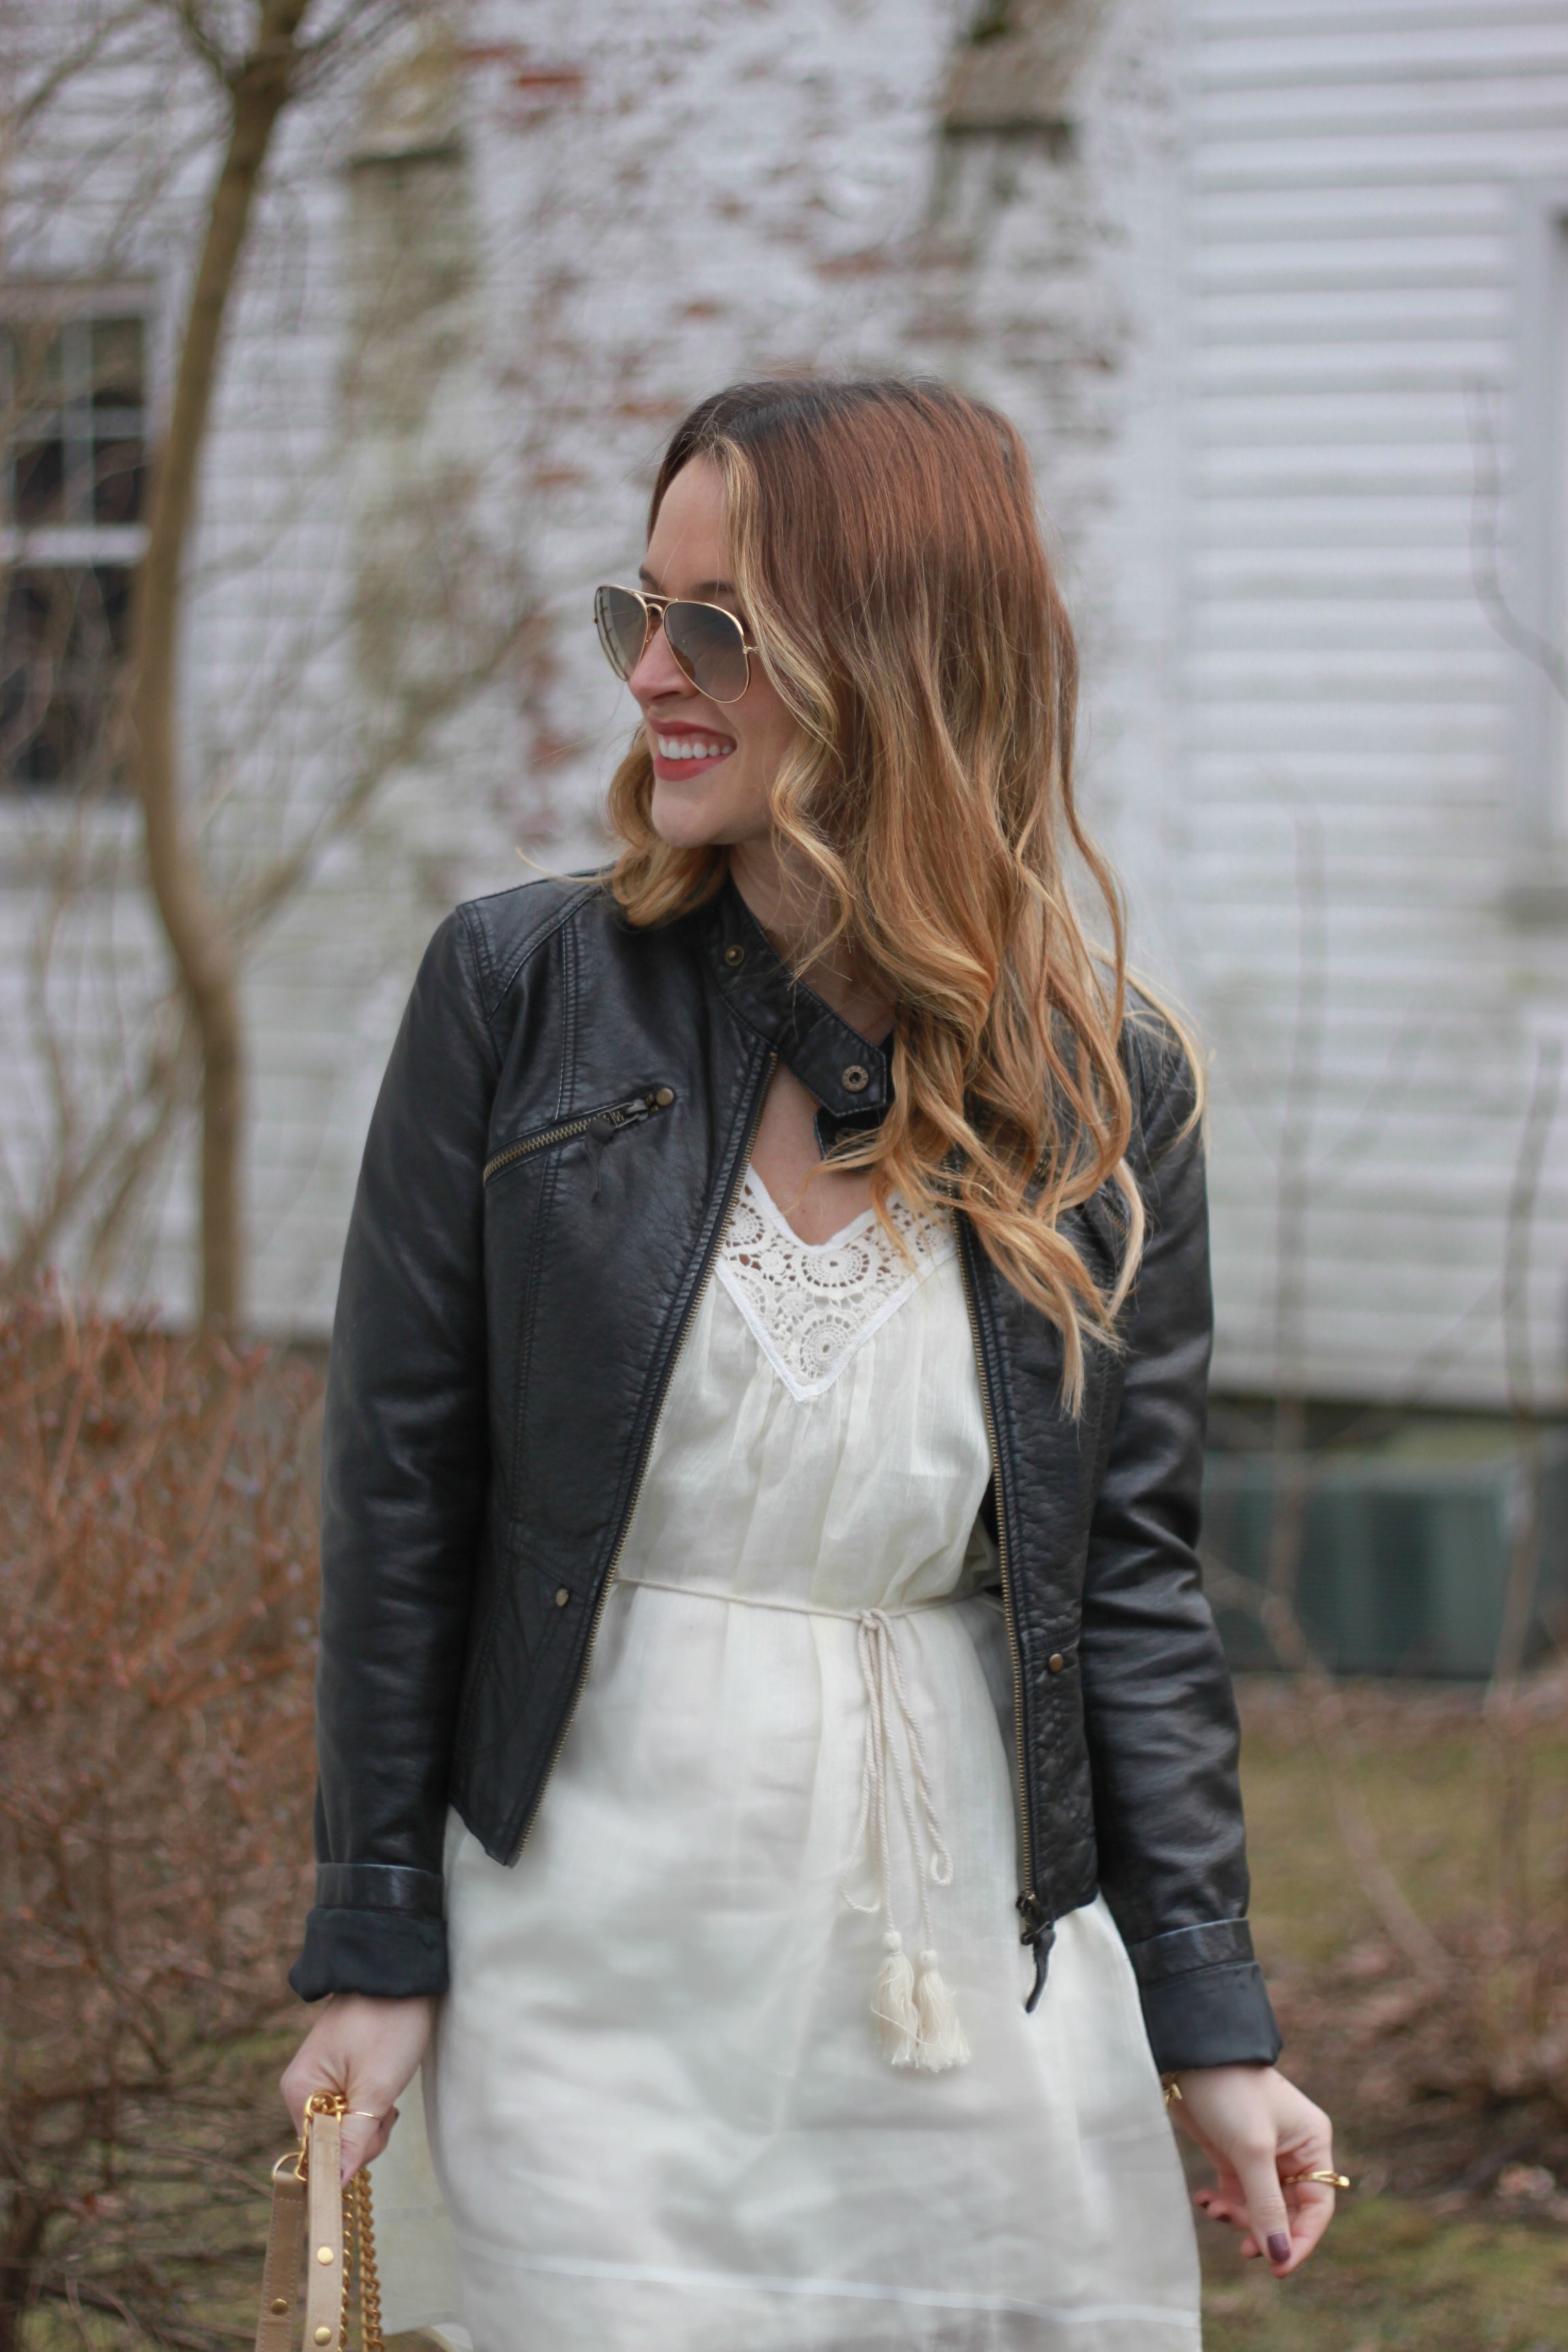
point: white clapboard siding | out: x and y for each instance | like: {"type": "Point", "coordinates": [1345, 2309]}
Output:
{"type": "Point", "coordinates": [1351, 275]}
{"type": "Point", "coordinates": [1238, 317]}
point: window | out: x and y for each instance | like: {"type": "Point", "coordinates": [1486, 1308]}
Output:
{"type": "Point", "coordinates": [72, 395]}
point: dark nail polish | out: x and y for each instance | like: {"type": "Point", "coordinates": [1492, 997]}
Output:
{"type": "Point", "coordinates": [1279, 2247]}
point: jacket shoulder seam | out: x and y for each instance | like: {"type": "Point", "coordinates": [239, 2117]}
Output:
{"type": "Point", "coordinates": [504, 975]}
{"type": "Point", "coordinates": [478, 948]}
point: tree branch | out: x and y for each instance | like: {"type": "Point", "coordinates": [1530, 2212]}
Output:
{"type": "Point", "coordinates": [202, 955]}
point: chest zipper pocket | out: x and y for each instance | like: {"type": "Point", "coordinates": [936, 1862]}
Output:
{"type": "Point", "coordinates": [596, 1125]}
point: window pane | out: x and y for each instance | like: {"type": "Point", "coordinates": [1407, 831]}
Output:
{"type": "Point", "coordinates": [35, 380]}
{"type": "Point", "coordinates": [62, 643]}
{"type": "Point", "coordinates": [118, 481]}
{"type": "Point", "coordinates": [117, 362]}
{"type": "Point", "coordinates": [40, 364]}
{"type": "Point", "coordinates": [117, 426]}
{"type": "Point", "coordinates": [37, 493]}
{"type": "Point", "coordinates": [35, 424]}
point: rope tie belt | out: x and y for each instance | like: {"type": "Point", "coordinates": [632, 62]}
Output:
{"type": "Point", "coordinates": [916, 2022]}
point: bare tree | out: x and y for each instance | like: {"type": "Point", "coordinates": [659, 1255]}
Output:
{"type": "Point", "coordinates": [258, 86]}
{"type": "Point", "coordinates": [437, 612]}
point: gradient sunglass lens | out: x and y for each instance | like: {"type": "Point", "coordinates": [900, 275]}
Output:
{"type": "Point", "coordinates": [710, 647]}
{"type": "Point", "coordinates": [621, 619]}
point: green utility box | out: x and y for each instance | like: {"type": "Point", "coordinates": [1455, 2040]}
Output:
{"type": "Point", "coordinates": [1405, 1559]}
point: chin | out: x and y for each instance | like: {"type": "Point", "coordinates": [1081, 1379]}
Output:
{"type": "Point", "coordinates": [687, 822]}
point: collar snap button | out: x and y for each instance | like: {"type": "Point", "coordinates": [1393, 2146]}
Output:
{"type": "Point", "coordinates": [1054, 1663]}
{"type": "Point", "coordinates": [855, 1080]}
{"type": "Point", "coordinates": [734, 957]}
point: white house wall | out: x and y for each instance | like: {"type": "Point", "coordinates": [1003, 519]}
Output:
{"type": "Point", "coordinates": [1346, 705]}
{"type": "Point", "coordinates": [1236, 309]}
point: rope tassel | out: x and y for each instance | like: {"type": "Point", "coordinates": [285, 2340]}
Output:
{"type": "Point", "coordinates": [893, 2004]}
{"type": "Point", "coordinates": [942, 2042]}
{"type": "Point", "coordinates": [916, 2019]}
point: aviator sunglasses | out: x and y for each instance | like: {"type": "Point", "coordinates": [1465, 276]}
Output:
{"type": "Point", "coordinates": [708, 644]}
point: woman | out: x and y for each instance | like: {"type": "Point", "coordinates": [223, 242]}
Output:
{"type": "Point", "coordinates": [789, 1694]}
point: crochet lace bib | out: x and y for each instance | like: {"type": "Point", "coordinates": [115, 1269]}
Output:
{"type": "Point", "coordinates": [812, 1305]}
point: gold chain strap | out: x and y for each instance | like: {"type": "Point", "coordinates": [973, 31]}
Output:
{"type": "Point", "coordinates": [359, 2248]}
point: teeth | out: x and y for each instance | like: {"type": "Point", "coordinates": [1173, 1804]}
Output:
{"type": "Point", "coordinates": [681, 748]}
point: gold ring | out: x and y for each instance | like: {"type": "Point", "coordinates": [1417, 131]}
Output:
{"type": "Point", "coordinates": [1328, 2180]}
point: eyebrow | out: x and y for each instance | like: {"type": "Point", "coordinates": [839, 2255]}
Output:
{"type": "Point", "coordinates": [704, 592]}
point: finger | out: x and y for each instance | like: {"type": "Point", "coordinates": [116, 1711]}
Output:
{"type": "Point", "coordinates": [1314, 2203]}
{"type": "Point", "coordinates": [1266, 2213]}
{"type": "Point", "coordinates": [364, 2137]}
{"type": "Point", "coordinates": [1215, 2206]}
{"type": "Point", "coordinates": [305, 2074]}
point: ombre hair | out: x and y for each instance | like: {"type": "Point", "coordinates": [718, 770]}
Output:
{"type": "Point", "coordinates": [888, 559]}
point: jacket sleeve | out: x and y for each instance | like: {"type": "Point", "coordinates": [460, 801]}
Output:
{"type": "Point", "coordinates": [405, 1471]}
{"type": "Point", "coordinates": [1160, 1710]}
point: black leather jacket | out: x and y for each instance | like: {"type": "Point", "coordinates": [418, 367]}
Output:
{"type": "Point", "coordinates": [566, 1116]}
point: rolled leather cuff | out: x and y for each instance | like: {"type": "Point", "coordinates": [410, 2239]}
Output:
{"type": "Point", "coordinates": [1215, 2017]}
{"type": "Point", "coordinates": [379, 1886]}
{"type": "Point", "coordinates": [392, 1954]}
{"type": "Point", "coordinates": [1205, 2000]}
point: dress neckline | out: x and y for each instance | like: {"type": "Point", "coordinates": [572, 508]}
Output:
{"type": "Point", "coordinates": [772, 1215]}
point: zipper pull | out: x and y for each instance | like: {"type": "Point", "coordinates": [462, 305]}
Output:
{"type": "Point", "coordinates": [1040, 1935]}
{"type": "Point", "coordinates": [600, 1130]}
{"type": "Point", "coordinates": [627, 1114]}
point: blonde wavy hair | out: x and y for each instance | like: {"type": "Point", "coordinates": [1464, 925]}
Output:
{"type": "Point", "coordinates": [888, 562]}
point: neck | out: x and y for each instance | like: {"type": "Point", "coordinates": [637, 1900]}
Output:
{"type": "Point", "coordinates": [780, 892]}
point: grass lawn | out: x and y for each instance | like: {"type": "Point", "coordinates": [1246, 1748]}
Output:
{"type": "Point", "coordinates": [1391, 2275]}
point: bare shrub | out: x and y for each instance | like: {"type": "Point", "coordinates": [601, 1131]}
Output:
{"type": "Point", "coordinates": [157, 1603]}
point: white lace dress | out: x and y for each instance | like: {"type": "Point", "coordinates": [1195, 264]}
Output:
{"type": "Point", "coordinates": [662, 2114]}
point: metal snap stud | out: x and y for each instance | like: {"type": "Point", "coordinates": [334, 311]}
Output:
{"type": "Point", "coordinates": [1055, 1662]}
{"type": "Point", "coordinates": [734, 957]}
{"type": "Point", "coordinates": [665, 1096]}
{"type": "Point", "coordinates": [323, 2254]}
{"type": "Point", "coordinates": [323, 2336]}
{"type": "Point", "coordinates": [855, 1080]}
{"type": "Point", "coordinates": [278, 2305]}
{"type": "Point", "coordinates": [562, 1597]}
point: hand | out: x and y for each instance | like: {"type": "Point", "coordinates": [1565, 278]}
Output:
{"type": "Point", "coordinates": [369, 2051]}
{"type": "Point", "coordinates": [1258, 2129]}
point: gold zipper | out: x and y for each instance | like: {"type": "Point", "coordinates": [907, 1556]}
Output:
{"type": "Point", "coordinates": [630, 1113]}
{"type": "Point", "coordinates": [1028, 1905]}
{"type": "Point", "coordinates": [610, 1578]}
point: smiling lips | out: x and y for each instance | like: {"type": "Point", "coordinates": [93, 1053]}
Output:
{"type": "Point", "coordinates": [687, 755]}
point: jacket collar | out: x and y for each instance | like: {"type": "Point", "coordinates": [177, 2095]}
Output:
{"type": "Point", "coordinates": [848, 1075]}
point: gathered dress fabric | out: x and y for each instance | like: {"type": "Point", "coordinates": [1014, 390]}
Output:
{"type": "Point", "coordinates": [659, 2114]}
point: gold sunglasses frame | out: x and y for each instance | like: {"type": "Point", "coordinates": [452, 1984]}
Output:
{"type": "Point", "coordinates": [654, 609]}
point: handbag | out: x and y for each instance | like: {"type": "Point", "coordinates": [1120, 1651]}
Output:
{"type": "Point", "coordinates": [314, 2218]}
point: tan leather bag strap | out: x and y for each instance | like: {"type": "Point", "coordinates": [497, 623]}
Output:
{"type": "Point", "coordinates": [281, 2270]}
{"type": "Point", "coordinates": [308, 2216]}
{"type": "Point", "coordinates": [325, 2282]}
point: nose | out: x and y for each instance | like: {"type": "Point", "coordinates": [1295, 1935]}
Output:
{"type": "Point", "coordinates": [658, 674]}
